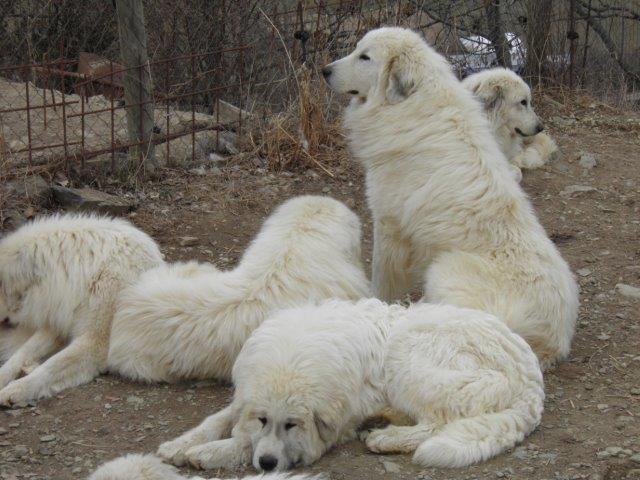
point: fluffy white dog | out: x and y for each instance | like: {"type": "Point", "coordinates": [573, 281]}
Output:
{"type": "Point", "coordinates": [507, 101]}
{"type": "Point", "coordinates": [309, 376]}
{"type": "Point", "coordinates": [180, 322]}
{"type": "Point", "coordinates": [442, 196]}
{"type": "Point", "coordinates": [148, 467]}
{"type": "Point", "coordinates": [59, 280]}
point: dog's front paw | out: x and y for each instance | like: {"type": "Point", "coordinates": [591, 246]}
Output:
{"type": "Point", "coordinates": [16, 394]}
{"type": "Point", "coordinates": [377, 441]}
{"type": "Point", "coordinates": [174, 452]}
{"type": "Point", "coordinates": [203, 457]}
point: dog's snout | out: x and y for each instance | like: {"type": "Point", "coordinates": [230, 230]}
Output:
{"type": "Point", "coordinates": [268, 462]}
{"type": "Point", "coordinates": [539, 127]}
{"type": "Point", "coordinates": [326, 72]}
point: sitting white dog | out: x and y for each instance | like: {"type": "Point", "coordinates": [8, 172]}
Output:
{"type": "Point", "coordinates": [148, 467]}
{"type": "Point", "coordinates": [507, 102]}
{"type": "Point", "coordinates": [59, 280]}
{"type": "Point", "coordinates": [188, 322]}
{"type": "Point", "coordinates": [309, 376]}
{"type": "Point", "coordinates": [442, 197]}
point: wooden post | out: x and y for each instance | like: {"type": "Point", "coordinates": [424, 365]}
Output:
{"type": "Point", "coordinates": [138, 91]}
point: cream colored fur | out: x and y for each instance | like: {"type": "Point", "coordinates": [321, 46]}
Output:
{"type": "Point", "coordinates": [444, 203]}
{"type": "Point", "coordinates": [180, 322]}
{"type": "Point", "coordinates": [515, 125]}
{"type": "Point", "coordinates": [148, 467]}
{"type": "Point", "coordinates": [59, 279]}
{"type": "Point", "coordinates": [309, 376]}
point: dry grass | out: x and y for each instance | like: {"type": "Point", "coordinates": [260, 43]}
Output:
{"type": "Point", "coordinates": [302, 136]}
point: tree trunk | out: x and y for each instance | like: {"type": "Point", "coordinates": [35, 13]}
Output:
{"type": "Point", "coordinates": [497, 34]}
{"type": "Point", "coordinates": [138, 91]}
{"type": "Point", "coordinates": [538, 32]}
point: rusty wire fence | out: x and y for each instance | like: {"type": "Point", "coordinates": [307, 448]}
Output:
{"type": "Point", "coordinates": [218, 69]}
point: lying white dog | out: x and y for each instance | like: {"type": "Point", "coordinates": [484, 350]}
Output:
{"type": "Point", "coordinates": [148, 467]}
{"type": "Point", "coordinates": [179, 322]}
{"type": "Point", "coordinates": [507, 101]}
{"type": "Point", "coordinates": [308, 377]}
{"type": "Point", "coordinates": [442, 197]}
{"type": "Point", "coordinates": [59, 279]}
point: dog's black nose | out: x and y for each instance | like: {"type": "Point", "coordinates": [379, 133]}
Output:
{"type": "Point", "coordinates": [326, 72]}
{"type": "Point", "coordinates": [268, 462]}
{"type": "Point", "coordinates": [539, 128]}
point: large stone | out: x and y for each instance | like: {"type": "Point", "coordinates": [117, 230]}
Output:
{"type": "Point", "coordinates": [87, 199]}
{"type": "Point", "coordinates": [33, 187]}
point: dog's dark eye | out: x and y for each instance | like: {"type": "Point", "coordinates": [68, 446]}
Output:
{"type": "Point", "coordinates": [524, 102]}
{"type": "Point", "coordinates": [263, 421]}
{"type": "Point", "coordinates": [289, 426]}
{"type": "Point", "coordinates": [364, 57]}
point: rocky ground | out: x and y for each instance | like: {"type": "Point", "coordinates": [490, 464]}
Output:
{"type": "Point", "coordinates": [588, 201]}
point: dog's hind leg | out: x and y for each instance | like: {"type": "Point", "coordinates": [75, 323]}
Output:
{"type": "Point", "coordinates": [38, 346]}
{"type": "Point", "coordinates": [214, 427]}
{"type": "Point", "coordinates": [76, 364]}
{"type": "Point", "coordinates": [399, 439]}
{"type": "Point", "coordinates": [227, 453]}
{"type": "Point", "coordinates": [391, 267]}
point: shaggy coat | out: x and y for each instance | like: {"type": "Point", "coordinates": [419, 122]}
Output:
{"type": "Point", "coordinates": [445, 206]}
{"type": "Point", "coordinates": [188, 322]}
{"type": "Point", "coordinates": [59, 280]}
{"type": "Point", "coordinates": [507, 102]}
{"type": "Point", "coordinates": [148, 467]}
{"type": "Point", "coordinates": [309, 376]}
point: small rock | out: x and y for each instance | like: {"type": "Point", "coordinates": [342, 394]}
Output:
{"type": "Point", "coordinates": [33, 187]}
{"type": "Point", "coordinates": [602, 406]}
{"type": "Point", "coordinates": [48, 438]}
{"type": "Point", "coordinates": [635, 458]}
{"type": "Point", "coordinates": [635, 391]}
{"type": "Point", "coordinates": [603, 336]}
{"type": "Point", "coordinates": [587, 161]}
{"type": "Point", "coordinates": [20, 450]}
{"type": "Point", "coordinates": [603, 454]}
{"type": "Point", "coordinates": [584, 272]}
{"type": "Point", "coordinates": [104, 430]}
{"type": "Point", "coordinates": [613, 451]}
{"type": "Point", "coordinates": [132, 399]}
{"type": "Point", "coordinates": [89, 199]}
{"type": "Point", "coordinates": [3, 431]}
{"type": "Point", "coordinates": [628, 290]}
{"type": "Point", "coordinates": [571, 189]}
{"type": "Point", "coordinates": [563, 121]}
{"type": "Point", "coordinates": [390, 467]}
{"type": "Point", "coordinates": [201, 171]}
{"type": "Point", "coordinates": [562, 167]}
{"type": "Point", "coordinates": [188, 241]}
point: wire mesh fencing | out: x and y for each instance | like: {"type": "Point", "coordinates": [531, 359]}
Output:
{"type": "Point", "coordinates": [212, 70]}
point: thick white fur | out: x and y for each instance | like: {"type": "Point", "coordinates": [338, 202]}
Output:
{"type": "Point", "coordinates": [516, 126]}
{"type": "Point", "coordinates": [472, 386]}
{"type": "Point", "coordinates": [171, 325]}
{"type": "Point", "coordinates": [59, 279]}
{"type": "Point", "coordinates": [442, 197]}
{"type": "Point", "coordinates": [148, 467]}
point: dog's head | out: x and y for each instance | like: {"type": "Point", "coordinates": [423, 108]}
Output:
{"type": "Point", "coordinates": [385, 65]}
{"type": "Point", "coordinates": [507, 99]}
{"type": "Point", "coordinates": [284, 432]}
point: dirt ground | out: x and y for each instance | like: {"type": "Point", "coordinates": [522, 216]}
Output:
{"type": "Point", "coordinates": [591, 425]}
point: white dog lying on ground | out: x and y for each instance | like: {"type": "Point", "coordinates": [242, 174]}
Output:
{"type": "Point", "coordinates": [178, 322]}
{"type": "Point", "coordinates": [309, 376]}
{"type": "Point", "coordinates": [442, 197]}
{"type": "Point", "coordinates": [59, 280]}
{"type": "Point", "coordinates": [148, 467]}
{"type": "Point", "coordinates": [507, 102]}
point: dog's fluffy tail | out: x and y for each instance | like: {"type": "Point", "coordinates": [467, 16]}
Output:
{"type": "Point", "coordinates": [10, 340]}
{"type": "Point", "coordinates": [471, 440]}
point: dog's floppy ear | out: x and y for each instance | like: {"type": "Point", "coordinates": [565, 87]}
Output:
{"type": "Point", "coordinates": [402, 79]}
{"type": "Point", "coordinates": [490, 94]}
{"type": "Point", "coordinates": [325, 428]}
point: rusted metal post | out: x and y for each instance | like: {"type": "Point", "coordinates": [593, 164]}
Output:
{"type": "Point", "coordinates": [137, 81]}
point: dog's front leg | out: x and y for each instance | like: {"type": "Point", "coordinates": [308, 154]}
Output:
{"type": "Point", "coordinates": [228, 453]}
{"type": "Point", "coordinates": [391, 267]}
{"type": "Point", "coordinates": [78, 363]}
{"type": "Point", "coordinates": [214, 427]}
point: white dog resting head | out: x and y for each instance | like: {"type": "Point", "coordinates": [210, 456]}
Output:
{"type": "Point", "coordinates": [388, 64]}
{"type": "Point", "coordinates": [507, 100]}
{"type": "Point", "coordinates": [284, 432]}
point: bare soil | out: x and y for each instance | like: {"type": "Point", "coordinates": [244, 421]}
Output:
{"type": "Point", "coordinates": [593, 400]}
